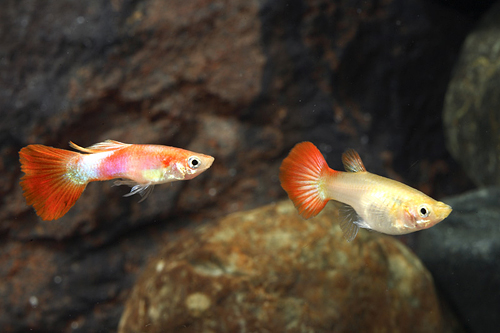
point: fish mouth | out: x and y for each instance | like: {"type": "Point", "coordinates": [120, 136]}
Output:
{"type": "Point", "coordinates": [208, 161]}
{"type": "Point", "coordinates": [443, 210]}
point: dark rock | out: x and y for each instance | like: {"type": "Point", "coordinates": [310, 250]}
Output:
{"type": "Point", "coordinates": [463, 254]}
{"type": "Point", "coordinates": [470, 8]}
{"type": "Point", "coordinates": [471, 115]}
{"type": "Point", "coordinates": [268, 270]}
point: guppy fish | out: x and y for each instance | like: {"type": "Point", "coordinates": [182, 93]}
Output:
{"type": "Point", "coordinates": [370, 201]}
{"type": "Point", "coordinates": [55, 178]}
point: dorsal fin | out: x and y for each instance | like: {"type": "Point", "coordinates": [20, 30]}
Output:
{"type": "Point", "coordinates": [107, 145]}
{"type": "Point", "coordinates": [352, 161]}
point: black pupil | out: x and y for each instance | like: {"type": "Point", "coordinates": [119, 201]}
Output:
{"type": "Point", "coordinates": [194, 162]}
{"type": "Point", "coordinates": [423, 211]}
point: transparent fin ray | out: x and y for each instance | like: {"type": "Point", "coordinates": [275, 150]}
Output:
{"type": "Point", "coordinates": [350, 221]}
{"type": "Point", "coordinates": [143, 189]}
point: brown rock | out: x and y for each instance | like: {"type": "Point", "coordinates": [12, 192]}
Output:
{"type": "Point", "coordinates": [240, 80]}
{"type": "Point", "coordinates": [268, 270]}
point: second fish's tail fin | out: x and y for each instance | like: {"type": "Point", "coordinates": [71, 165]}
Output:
{"type": "Point", "coordinates": [302, 175]}
{"type": "Point", "coordinates": [52, 183]}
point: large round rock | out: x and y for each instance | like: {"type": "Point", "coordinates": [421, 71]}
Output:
{"type": "Point", "coordinates": [472, 106]}
{"type": "Point", "coordinates": [268, 270]}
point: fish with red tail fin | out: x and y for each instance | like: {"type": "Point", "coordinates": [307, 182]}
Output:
{"type": "Point", "coordinates": [55, 178]}
{"type": "Point", "coordinates": [369, 201]}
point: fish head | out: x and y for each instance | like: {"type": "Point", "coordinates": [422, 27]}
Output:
{"type": "Point", "coordinates": [196, 164]}
{"type": "Point", "coordinates": [424, 214]}
{"type": "Point", "coordinates": [189, 165]}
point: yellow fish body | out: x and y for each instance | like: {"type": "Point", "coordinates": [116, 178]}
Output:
{"type": "Point", "coordinates": [370, 201]}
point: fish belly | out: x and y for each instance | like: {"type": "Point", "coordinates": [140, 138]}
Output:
{"type": "Point", "coordinates": [377, 200]}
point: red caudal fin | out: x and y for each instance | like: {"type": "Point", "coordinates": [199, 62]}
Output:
{"type": "Point", "coordinates": [51, 183]}
{"type": "Point", "coordinates": [302, 174]}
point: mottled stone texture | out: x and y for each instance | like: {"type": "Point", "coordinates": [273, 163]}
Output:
{"type": "Point", "coordinates": [241, 80]}
{"type": "Point", "coordinates": [463, 255]}
{"type": "Point", "coordinates": [472, 108]}
{"type": "Point", "coordinates": [268, 270]}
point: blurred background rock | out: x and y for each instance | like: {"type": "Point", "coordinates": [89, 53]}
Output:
{"type": "Point", "coordinates": [242, 81]}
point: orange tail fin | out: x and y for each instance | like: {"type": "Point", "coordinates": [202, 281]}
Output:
{"type": "Point", "coordinates": [50, 185]}
{"type": "Point", "coordinates": [301, 175]}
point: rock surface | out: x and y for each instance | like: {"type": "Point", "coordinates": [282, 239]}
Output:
{"type": "Point", "coordinates": [268, 270]}
{"type": "Point", "coordinates": [463, 254]}
{"type": "Point", "coordinates": [240, 80]}
{"type": "Point", "coordinates": [471, 113]}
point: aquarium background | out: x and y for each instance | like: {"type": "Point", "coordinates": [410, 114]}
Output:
{"type": "Point", "coordinates": [411, 85]}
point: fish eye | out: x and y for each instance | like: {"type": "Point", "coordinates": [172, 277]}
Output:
{"type": "Point", "coordinates": [194, 162]}
{"type": "Point", "coordinates": [423, 211]}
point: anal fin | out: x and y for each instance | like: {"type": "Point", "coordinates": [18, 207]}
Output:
{"type": "Point", "coordinates": [143, 189]}
{"type": "Point", "coordinates": [350, 222]}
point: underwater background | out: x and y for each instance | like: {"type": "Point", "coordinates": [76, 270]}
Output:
{"type": "Point", "coordinates": [412, 85]}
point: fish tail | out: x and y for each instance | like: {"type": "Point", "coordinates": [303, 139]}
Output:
{"type": "Point", "coordinates": [52, 182]}
{"type": "Point", "coordinates": [302, 175]}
